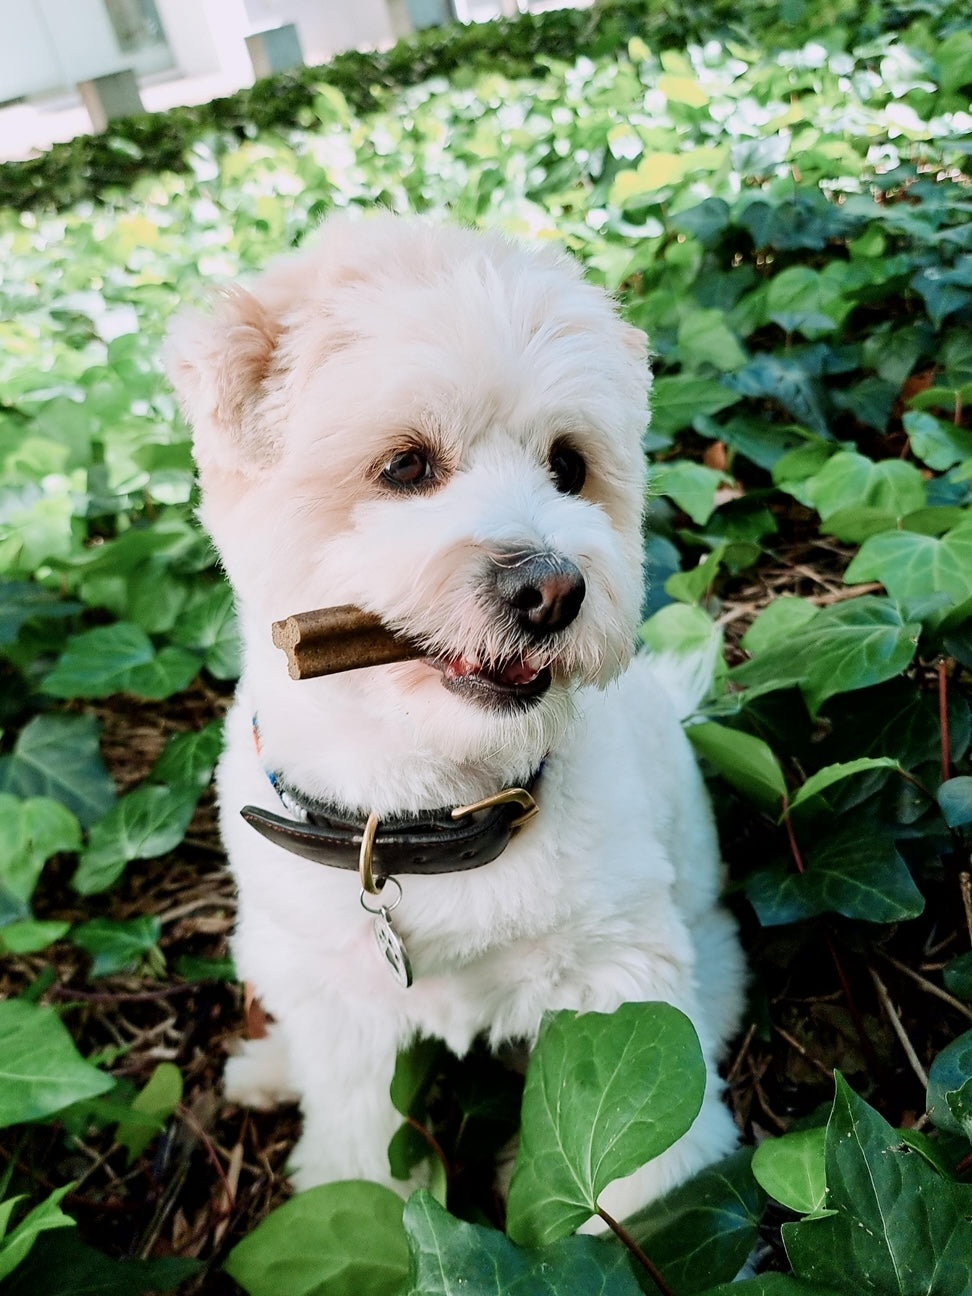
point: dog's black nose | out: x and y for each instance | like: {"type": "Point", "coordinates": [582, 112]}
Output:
{"type": "Point", "coordinates": [545, 590]}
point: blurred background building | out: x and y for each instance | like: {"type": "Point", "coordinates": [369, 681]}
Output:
{"type": "Point", "coordinates": [70, 66]}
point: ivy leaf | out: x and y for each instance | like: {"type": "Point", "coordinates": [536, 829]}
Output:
{"type": "Point", "coordinates": [781, 620]}
{"type": "Point", "coordinates": [849, 646]}
{"type": "Point", "coordinates": [955, 800]}
{"type": "Point", "coordinates": [120, 658]}
{"type": "Point", "coordinates": [16, 1246]}
{"type": "Point", "coordinates": [911, 566]}
{"type": "Point", "coordinates": [210, 627]}
{"type": "Point", "coordinates": [692, 486]}
{"type": "Point", "coordinates": [703, 1231]}
{"type": "Point", "coordinates": [891, 487]}
{"type": "Point", "coordinates": [61, 1264]}
{"type": "Point", "coordinates": [31, 831]}
{"type": "Point", "coordinates": [792, 1169]}
{"type": "Point", "coordinates": [58, 756]}
{"type": "Point", "coordinates": [189, 758]}
{"type": "Point", "coordinates": [936, 443]}
{"type": "Point", "coordinates": [897, 1227]}
{"type": "Point", "coordinates": [147, 822]}
{"type": "Point", "coordinates": [41, 1070]}
{"type": "Point", "coordinates": [950, 1073]}
{"type": "Point", "coordinates": [151, 1108]}
{"type": "Point", "coordinates": [452, 1258]}
{"type": "Point", "coordinates": [788, 382]}
{"type": "Point", "coordinates": [743, 760]}
{"type": "Point", "coordinates": [30, 936]}
{"type": "Point", "coordinates": [957, 976]}
{"type": "Point", "coordinates": [677, 400]}
{"type": "Point", "coordinates": [605, 1093]}
{"type": "Point", "coordinates": [341, 1239]}
{"type": "Point", "coordinates": [23, 601]}
{"type": "Point", "coordinates": [831, 774]}
{"type": "Point", "coordinates": [862, 877]}
{"type": "Point", "coordinates": [117, 946]}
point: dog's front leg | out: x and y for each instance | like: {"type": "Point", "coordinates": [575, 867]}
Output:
{"type": "Point", "coordinates": [342, 1059]}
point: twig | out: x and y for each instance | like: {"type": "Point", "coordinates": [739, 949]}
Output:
{"type": "Point", "coordinates": [873, 1061]}
{"type": "Point", "coordinates": [943, 719]}
{"type": "Point", "coordinates": [741, 1054]}
{"type": "Point", "coordinates": [436, 1147]}
{"type": "Point", "coordinates": [929, 986]}
{"type": "Point", "coordinates": [804, 1051]}
{"type": "Point", "coordinates": [70, 995]}
{"type": "Point", "coordinates": [190, 1118]}
{"type": "Point", "coordinates": [965, 886]}
{"type": "Point", "coordinates": [899, 1030]}
{"type": "Point", "coordinates": [841, 595]}
{"type": "Point", "coordinates": [794, 846]}
{"type": "Point", "coordinates": [622, 1233]}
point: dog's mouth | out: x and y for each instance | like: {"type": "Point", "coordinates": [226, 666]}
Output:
{"type": "Point", "coordinates": [518, 681]}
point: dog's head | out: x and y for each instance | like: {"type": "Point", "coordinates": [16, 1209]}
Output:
{"type": "Point", "coordinates": [444, 428]}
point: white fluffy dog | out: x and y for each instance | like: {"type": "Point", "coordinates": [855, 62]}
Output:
{"type": "Point", "coordinates": [443, 428]}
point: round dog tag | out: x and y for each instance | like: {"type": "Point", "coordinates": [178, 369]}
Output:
{"type": "Point", "coordinates": [392, 949]}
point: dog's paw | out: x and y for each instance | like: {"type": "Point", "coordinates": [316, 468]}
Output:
{"type": "Point", "coordinates": [259, 1074]}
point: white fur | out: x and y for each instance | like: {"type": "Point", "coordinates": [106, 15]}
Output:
{"type": "Point", "coordinates": [299, 391]}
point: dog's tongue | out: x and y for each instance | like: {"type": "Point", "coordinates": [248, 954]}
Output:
{"type": "Point", "coordinates": [512, 673]}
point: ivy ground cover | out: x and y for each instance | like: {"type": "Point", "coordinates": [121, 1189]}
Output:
{"type": "Point", "coordinates": [787, 216]}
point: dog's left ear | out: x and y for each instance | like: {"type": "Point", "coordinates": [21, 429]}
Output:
{"type": "Point", "coordinates": [637, 342]}
{"type": "Point", "coordinates": [220, 365]}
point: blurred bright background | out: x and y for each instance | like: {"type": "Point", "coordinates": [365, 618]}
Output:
{"type": "Point", "coordinates": [66, 65]}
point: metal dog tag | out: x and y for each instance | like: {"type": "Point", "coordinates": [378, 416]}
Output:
{"type": "Point", "coordinates": [392, 949]}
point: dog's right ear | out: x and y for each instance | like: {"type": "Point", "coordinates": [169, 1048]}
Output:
{"type": "Point", "coordinates": [220, 364]}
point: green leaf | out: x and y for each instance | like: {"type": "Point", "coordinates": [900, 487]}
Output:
{"type": "Point", "coordinates": [61, 1264]}
{"type": "Point", "coordinates": [16, 1246]}
{"type": "Point", "coordinates": [680, 628]}
{"type": "Point", "coordinates": [936, 443]}
{"type": "Point", "coordinates": [342, 1239]}
{"type": "Point", "coordinates": [677, 400]}
{"type": "Point", "coordinates": [949, 1074]}
{"type": "Point", "coordinates": [779, 622]}
{"type": "Point", "coordinates": [703, 1231]}
{"type": "Point", "coordinates": [955, 799]}
{"type": "Point", "coordinates": [850, 873]}
{"type": "Point", "coordinates": [792, 1169]}
{"type": "Point", "coordinates": [911, 566]}
{"type": "Point", "coordinates": [848, 646]}
{"type": "Point", "coordinates": [58, 756]}
{"type": "Point", "coordinates": [785, 380]}
{"type": "Point", "coordinates": [31, 936]}
{"type": "Point", "coordinates": [152, 1107]}
{"type": "Point", "coordinates": [898, 1227]}
{"type": "Point", "coordinates": [119, 658]}
{"type": "Point", "coordinates": [692, 486]}
{"type": "Point", "coordinates": [891, 486]}
{"type": "Point", "coordinates": [117, 946]}
{"type": "Point", "coordinates": [452, 1258]}
{"type": "Point", "coordinates": [957, 976]}
{"type": "Point", "coordinates": [690, 586]}
{"type": "Point", "coordinates": [704, 337]}
{"type": "Point", "coordinates": [41, 1071]}
{"type": "Point", "coordinates": [210, 627]}
{"type": "Point", "coordinates": [189, 758]}
{"type": "Point", "coordinates": [772, 1284]}
{"type": "Point", "coordinates": [605, 1094]}
{"type": "Point", "coordinates": [22, 602]}
{"type": "Point", "coordinates": [831, 774]}
{"type": "Point", "coordinates": [31, 831]}
{"type": "Point", "coordinates": [148, 822]}
{"type": "Point", "coordinates": [743, 760]}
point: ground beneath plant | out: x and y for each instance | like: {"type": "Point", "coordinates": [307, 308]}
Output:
{"type": "Point", "coordinates": [820, 999]}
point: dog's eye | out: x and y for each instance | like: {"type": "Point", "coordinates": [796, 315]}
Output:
{"type": "Point", "coordinates": [568, 469]}
{"type": "Point", "coordinates": [407, 468]}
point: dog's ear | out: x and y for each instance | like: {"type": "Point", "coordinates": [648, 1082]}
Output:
{"type": "Point", "coordinates": [219, 364]}
{"type": "Point", "coordinates": [637, 342]}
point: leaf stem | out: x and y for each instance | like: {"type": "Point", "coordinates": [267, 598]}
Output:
{"type": "Point", "coordinates": [624, 1236]}
{"type": "Point", "coordinates": [794, 846]}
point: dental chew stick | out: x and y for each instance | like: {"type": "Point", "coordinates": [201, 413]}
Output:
{"type": "Point", "coordinates": [329, 640]}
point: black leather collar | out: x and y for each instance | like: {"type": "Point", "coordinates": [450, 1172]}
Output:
{"type": "Point", "coordinates": [450, 840]}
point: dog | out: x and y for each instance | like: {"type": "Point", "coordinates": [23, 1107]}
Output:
{"type": "Point", "coordinates": [443, 427]}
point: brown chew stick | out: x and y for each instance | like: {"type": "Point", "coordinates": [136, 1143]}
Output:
{"type": "Point", "coordinates": [330, 640]}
